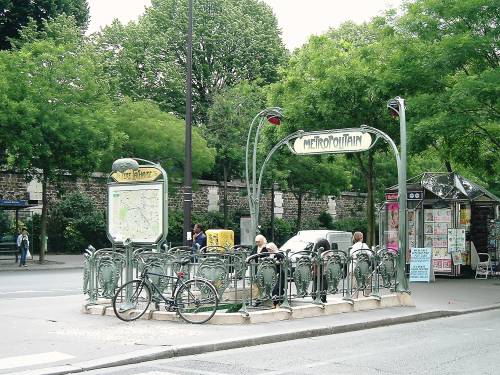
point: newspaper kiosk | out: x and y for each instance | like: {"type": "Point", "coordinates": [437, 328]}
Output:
{"type": "Point", "coordinates": [445, 212]}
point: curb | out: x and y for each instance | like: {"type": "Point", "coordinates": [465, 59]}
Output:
{"type": "Point", "coordinates": [186, 350]}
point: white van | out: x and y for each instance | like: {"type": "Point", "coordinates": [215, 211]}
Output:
{"type": "Point", "coordinates": [305, 238]}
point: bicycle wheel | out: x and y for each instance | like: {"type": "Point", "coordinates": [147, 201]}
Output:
{"type": "Point", "coordinates": [132, 308]}
{"type": "Point", "coordinates": [196, 301]}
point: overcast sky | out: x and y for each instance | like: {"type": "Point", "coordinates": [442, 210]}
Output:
{"type": "Point", "coordinates": [298, 19]}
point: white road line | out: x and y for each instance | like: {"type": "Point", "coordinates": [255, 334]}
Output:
{"type": "Point", "coordinates": [32, 359]}
{"type": "Point", "coordinates": [42, 291]}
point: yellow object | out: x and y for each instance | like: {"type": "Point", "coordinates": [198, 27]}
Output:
{"type": "Point", "coordinates": [220, 237]}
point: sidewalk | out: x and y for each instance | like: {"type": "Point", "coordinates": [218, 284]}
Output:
{"type": "Point", "coordinates": [52, 262]}
{"type": "Point", "coordinates": [444, 298]}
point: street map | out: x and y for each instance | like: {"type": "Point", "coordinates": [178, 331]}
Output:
{"type": "Point", "coordinates": [135, 212]}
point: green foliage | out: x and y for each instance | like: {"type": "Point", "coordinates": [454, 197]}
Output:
{"type": "Point", "coordinates": [352, 224]}
{"type": "Point", "coordinates": [325, 220]}
{"type": "Point", "coordinates": [283, 230]}
{"type": "Point", "coordinates": [56, 113]}
{"type": "Point", "coordinates": [74, 223]}
{"type": "Point", "coordinates": [209, 220]}
{"type": "Point", "coordinates": [443, 56]}
{"type": "Point", "coordinates": [4, 223]}
{"type": "Point", "coordinates": [15, 14]}
{"type": "Point", "coordinates": [149, 133]}
{"type": "Point", "coordinates": [34, 225]}
{"type": "Point", "coordinates": [229, 119]}
{"type": "Point", "coordinates": [233, 41]}
{"type": "Point", "coordinates": [175, 227]}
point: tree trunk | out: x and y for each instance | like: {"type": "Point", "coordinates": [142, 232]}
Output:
{"type": "Point", "coordinates": [224, 199]}
{"type": "Point", "coordinates": [370, 206]}
{"type": "Point", "coordinates": [448, 166]}
{"type": "Point", "coordinates": [299, 211]}
{"type": "Point", "coordinates": [43, 221]}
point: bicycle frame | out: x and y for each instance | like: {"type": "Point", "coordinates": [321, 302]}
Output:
{"type": "Point", "coordinates": [156, 291]}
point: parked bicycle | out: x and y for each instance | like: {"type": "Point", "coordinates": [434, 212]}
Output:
{"type": "Point", "coordinates": [195, 300]}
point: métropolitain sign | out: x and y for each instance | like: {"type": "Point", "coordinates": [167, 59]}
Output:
{"type": "Point", "coordinates": [338, 141]}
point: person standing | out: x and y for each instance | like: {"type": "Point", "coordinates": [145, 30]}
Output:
{"type": "Point", "coordinates": [199, 238]}
{"type": "Point", "coordinates": [23, 244]}
{"type": "Point", "coordinates": [260, 243]}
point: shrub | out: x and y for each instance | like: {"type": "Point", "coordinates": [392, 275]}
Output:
{"type": "Point", "coordinates": [4, 223]}
{"type": "Point", "coordinates": [351, 224]}
{"type": "Point", "coordinates": [74, 223]}
{"type": "Point", "coordinates": [325, 220]}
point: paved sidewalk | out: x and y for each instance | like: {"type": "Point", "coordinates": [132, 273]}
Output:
{"type": "Point", "coordinates": [444, 298]}
{"type": "Point", "coordinates": [52, 262]}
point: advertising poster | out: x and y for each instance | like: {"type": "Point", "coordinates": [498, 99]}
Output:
{"type": "Point", "coordinates": [392, 226]}
{"type": "Point", "coordinates": [442, 264]}
{"type": "Point", "coordinates": [412, 233]}
{"type": "Point", "coordinates": [421, 264]}
{"type": "Point", "coordinates": [464, 216]}
{"type": "Point", "coordinates": [456, 240]}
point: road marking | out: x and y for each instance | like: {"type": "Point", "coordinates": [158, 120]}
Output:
{"type": "Point", "coordinates": [42, 291]}
{"type": "Point", "coordinates": [32, 359]}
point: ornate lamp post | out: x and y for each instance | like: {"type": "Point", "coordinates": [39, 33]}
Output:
{"type": "Point", "coordinates": [273, 115]}
{"type": "Point", "coordinates": [396, 107]}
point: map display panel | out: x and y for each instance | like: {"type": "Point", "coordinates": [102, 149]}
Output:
{"type": "Point", "coordinates": [135, 212]}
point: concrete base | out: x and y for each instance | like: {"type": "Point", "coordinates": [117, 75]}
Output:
{"type": "Point", "coordinates": [272, 315]}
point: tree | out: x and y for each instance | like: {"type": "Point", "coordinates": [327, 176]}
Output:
{"type": "Point", "coordinates": [330, 84]}
{"type": "Point", "coordinates": [15, 14]}
{"type": "Point", "coordinates": [56, 115]}
{"type": "Point", "coordinates": [444, 58]}
{"type": "Point", "coordinates": [152, 134]}
{"type": "Point", "coordinates": [233, 41]}
{"type": "Point", "coordinates": [311, 175]}
{"type": "Point", "coordinates": [229, 119]}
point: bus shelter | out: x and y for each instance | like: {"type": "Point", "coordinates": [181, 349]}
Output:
{"type": "Point", "coordinates": [448, 213]}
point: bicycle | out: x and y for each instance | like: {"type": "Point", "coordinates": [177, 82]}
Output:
{"type": "Point", "coordinates": [195, 300]}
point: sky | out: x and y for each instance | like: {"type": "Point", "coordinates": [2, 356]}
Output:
{"type": "Point", "coordinates": [298, 19]}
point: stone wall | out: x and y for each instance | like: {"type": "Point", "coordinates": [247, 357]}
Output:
{"type": "Point", "coordinates": [207, 196]}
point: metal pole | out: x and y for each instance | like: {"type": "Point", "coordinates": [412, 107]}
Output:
{"type": "Point", "coordinates": [188, 194]}
{"type": "Point", "coordinates": [401, 280]}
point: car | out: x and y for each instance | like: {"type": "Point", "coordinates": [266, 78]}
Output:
{"type": "Point", "coordinates": [305, 240]}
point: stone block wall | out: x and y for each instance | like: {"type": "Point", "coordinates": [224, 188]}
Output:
{"type": "Point", "coordinates": [207, 196]}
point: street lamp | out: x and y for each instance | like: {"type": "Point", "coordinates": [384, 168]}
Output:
{"type": "Point", "coordinates": [273, 115]}
{"type": "Point", "coordinates": [396, 107]}
{"type": "Point", "coordinates": [188, 172]}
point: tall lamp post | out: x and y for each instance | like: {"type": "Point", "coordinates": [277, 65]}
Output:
{"type": "Point", "coordinates": [188, 172]}
{"type": "Point", "coordinates": [273, 115]}
{"type": "Point", "coordinates": [396, 107]}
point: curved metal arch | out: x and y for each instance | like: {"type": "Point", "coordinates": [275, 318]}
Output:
{"type": "Point", "coordinates": [301, 133]}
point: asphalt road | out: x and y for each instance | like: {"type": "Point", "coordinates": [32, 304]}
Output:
{"type": "Point", "coordinates": [46, 283]}
{"type": "Point", "coordinates": [467, 344]}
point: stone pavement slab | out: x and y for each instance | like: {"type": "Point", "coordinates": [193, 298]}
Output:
{"type": "Point", "coordinates": [52, 262]}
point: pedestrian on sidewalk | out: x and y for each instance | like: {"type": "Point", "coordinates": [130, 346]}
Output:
{"type": "Point", "coordinates": [23, 245]}
{"type": "Point", "coordinates": [321, 243]}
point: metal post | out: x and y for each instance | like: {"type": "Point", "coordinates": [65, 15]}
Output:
{"type": "Point", "coordinates": [129, 269]}
{"type": "Point", "coordinates": [188, 194]}
{"type": "Point", "coordinates": [397, 107]}
{"type": "Point", "coordinates": [402, 281]}
{"type": "Point", "coordinates": [253, 188]}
